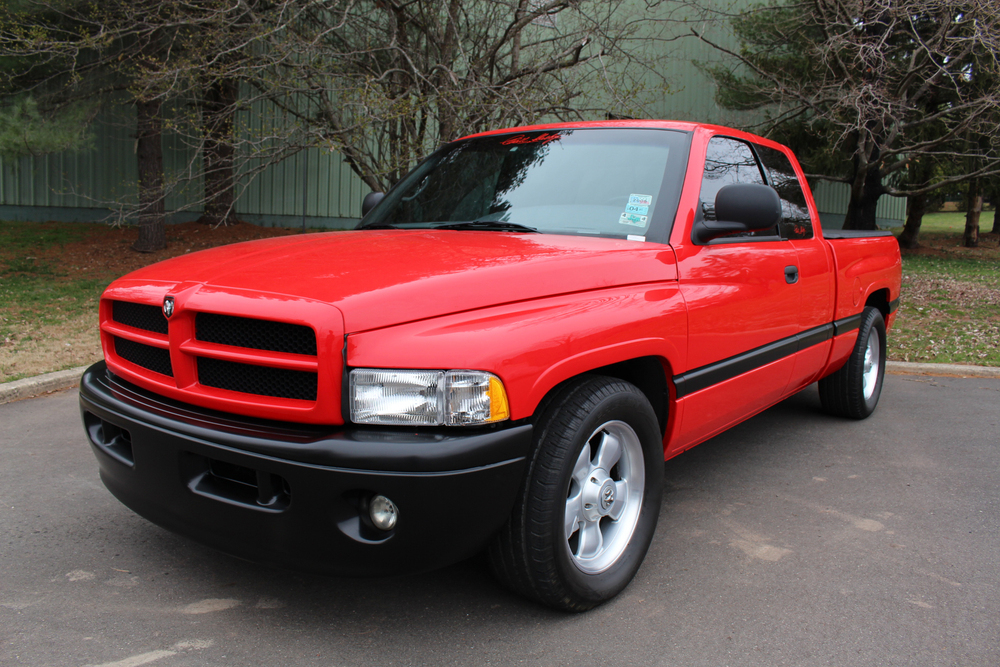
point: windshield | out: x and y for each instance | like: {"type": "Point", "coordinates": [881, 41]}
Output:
{"type": "Point", "coordinates": [614, 183]}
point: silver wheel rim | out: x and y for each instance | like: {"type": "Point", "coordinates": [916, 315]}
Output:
{"type": "Point", "coordinates": [604, 498]}
{"type": "Point", "coordinates": [869, 377]}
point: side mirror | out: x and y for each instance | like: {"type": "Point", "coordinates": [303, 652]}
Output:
{"type": "Point", "coordinates": [371, 199]}
{"type": "Point", "coordinates": [741, 207]}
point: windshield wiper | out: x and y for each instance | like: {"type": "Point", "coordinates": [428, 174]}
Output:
{"type": "Point", "coordinates": [488, 226]}
{"type": "Point", "coordinates": [381, 225]}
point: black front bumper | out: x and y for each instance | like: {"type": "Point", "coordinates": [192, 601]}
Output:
{"type": "Point", "coordinates": [295, 495]}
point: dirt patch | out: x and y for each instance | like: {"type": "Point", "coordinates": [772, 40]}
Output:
{"type": "Point", "coordinates": [68, 344]}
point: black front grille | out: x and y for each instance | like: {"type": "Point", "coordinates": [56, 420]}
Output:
{"type": "Point", "coordinates": [139, 315]}
{"type": "Point", "coordinates": [255, 334]}
{"type": "Point", "coordinates": [260, 380]}
{"type": "Point", "coordinates": [153, 358]}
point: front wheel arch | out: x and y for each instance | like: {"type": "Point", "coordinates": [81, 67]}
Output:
{"type": "Point", "coordinates": [651, 374]}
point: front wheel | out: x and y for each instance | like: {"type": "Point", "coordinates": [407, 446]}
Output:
{"type": "Point", "coordinates": [854, 390]}
{"type": "Point", "coordinates": [588, 508]}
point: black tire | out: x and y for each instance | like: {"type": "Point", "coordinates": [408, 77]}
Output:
{"type": "Point", "coordinates": [532, 553]}
{"type": "Point", "coordinates": [846, 393]}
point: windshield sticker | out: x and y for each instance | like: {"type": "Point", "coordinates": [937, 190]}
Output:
{"type": "Point", "coordinates": [633, 237]}
{"type": "Point", "coordinates": [640, 200]}
{"type": "Point", "coordinates": [542, 139]}
{"type": "Point", "coordinates": [638, 210]}
{"type": "Point", "coordinates": [633, 219]}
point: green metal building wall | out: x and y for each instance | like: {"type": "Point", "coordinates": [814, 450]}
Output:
{"type": "Point", "coordinates": [314, 184]}
{"type": "Point", "coordinates": [84, 185]}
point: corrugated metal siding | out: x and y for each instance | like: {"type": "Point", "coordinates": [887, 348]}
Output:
{"type": "Point", "coordinates": [834, 197]}
{"type": "Point", "coordinates": [93, 179]}
{"type": "Point", "coordinates": [106, 173]}
{"type": "Point", "coordinates": [88, 178]}
{"type": "Point", "coordinates": [692, 93]}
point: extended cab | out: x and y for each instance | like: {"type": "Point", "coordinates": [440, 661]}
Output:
{"type": "Point", "coordinates": [501, 356]}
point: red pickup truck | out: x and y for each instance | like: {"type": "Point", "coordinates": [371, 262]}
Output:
{"type": "Point", "coordinates": [501, 356]}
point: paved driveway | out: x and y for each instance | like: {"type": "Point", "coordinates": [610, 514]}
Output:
{"type": "Point", "coordinates": [794, 539]}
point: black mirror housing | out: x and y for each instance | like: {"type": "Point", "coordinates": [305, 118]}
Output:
{"type": "Point", "coordinates": [740, 207]}
{"type": "Point", "coordinates": [370, 201]}
{"type": "Point", "coordinates": [756, 206]}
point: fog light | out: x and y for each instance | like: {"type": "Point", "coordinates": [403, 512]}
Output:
{"type": "Point", "coordinates": [383, 513]}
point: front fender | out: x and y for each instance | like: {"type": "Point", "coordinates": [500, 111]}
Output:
{"type": "Point", "coordinates": [532, 346]}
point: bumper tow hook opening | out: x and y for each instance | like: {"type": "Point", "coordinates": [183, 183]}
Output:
{"type": "Point", "coordinates": [113, 440]}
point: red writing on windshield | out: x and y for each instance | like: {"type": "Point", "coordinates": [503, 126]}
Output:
{"type": "Point", "coordinates": [528, 139]}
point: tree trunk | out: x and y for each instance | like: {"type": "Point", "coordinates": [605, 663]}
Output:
{"type": "Point", "coordinates": [974, 207]}
{"type": "Point", "coordinates": [149, 156]}
{"type": "Point", "coordinates": [995, 198]}
{"type": "Point", "coordinates": [861, 212]}
{"type": "Point", "coordinates": [863, 204]}
{"type": "Point", "coordinates": [219, 115]}
{"type": "Point", "coordinates": [916, 206]}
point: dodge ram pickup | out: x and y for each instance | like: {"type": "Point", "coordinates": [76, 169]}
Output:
{"type": "Point", "coordinates": [501, 356]}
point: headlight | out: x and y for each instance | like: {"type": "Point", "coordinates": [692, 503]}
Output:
{"type": "Point", "coordinates": [426, 398]}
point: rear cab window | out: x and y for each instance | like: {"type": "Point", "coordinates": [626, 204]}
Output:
{"type": "Point", "coordinates": [796, 223]}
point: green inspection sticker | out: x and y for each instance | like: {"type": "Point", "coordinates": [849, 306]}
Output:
{"type": "Point", "coordinates": [633, 219]}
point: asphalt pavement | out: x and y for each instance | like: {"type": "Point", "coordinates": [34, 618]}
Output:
{"type": "Point", "coordinates": [793, 539]}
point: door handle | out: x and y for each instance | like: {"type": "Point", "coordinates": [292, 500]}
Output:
{"type": "Point", "coordinates": [791, 274]}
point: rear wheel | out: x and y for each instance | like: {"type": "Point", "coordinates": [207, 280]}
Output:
{"type": "Point", "coordinates": [588, 507]}
{"type": "Point", "coordinates": [854, 390]}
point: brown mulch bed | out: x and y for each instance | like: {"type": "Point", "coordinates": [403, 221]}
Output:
{"type": "Point", "coordinates": [107, 251]}
{"type": "Point", "coordinates": [949, 246]}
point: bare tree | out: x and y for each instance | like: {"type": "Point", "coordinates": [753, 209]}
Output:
{"type": "Point", "coordinates": [382, 82]}
{"type": "Point", "coordinates": [882, 81]}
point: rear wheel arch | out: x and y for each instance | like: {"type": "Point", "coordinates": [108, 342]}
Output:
{"type": "Point", "coordinates": [879, 299]}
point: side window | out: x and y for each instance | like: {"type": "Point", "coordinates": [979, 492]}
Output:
{"type": "Point", "coordinates": [795, 221]}
{"type": "Point", "coordinates": [727, 161]}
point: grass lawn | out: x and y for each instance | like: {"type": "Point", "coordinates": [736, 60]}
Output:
{"type": "Point", "coordinates": [51, 278]}
{"type": "Point", "coordinates": [950, 309]}
{"type": "Point", "coordinates": [52, 275]}
{"type": "Point", "coordinates": [48, 317]}
{"type": "Point", "coordinates": [953, 222]}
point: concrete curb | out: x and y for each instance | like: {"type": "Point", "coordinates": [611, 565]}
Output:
{"type": "Point", "coordinates": [40, 384]}
{"type": "Point", "coordinates": [43, 384]}
{"type": "Point", "coordinates": [959, 370]}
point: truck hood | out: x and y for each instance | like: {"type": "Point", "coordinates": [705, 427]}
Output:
{"type": "Point", "coordinates": [382, 278]}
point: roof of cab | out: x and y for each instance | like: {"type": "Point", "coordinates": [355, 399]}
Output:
{"type": "Point", "coordinates": [647, 124]}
